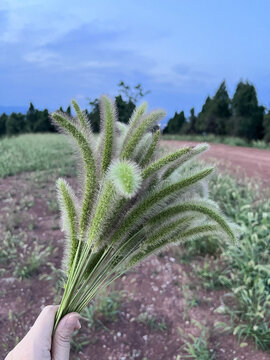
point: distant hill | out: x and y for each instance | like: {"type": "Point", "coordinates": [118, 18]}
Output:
{"type": "Point", "coordinates": [9, 109]}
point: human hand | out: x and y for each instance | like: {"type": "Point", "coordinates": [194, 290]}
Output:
{"type": "Point", "coordinates": [38, 343]}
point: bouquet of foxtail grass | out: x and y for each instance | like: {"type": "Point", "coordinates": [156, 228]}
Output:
{"type": "Point", "coordinates": [132, 202]}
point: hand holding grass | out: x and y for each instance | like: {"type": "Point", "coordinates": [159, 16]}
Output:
{"type": "Point", "coordinates": [38, 342]}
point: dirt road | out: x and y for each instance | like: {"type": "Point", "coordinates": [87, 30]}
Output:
{"type": "Point", "coordinates": [246, 161]}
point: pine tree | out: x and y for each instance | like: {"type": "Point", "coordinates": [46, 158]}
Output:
{"type": "Point", "coordinates": [3, 121]}
{"type": "Point", "coordinates": [215, 114]}
{"type": "Point", "coordinates": [266, 127]}
{"type": "Point", "coordinates": [247, 119]}
{"type": "Point", "coordinates": [221, 109]}
{"type": "Point", "coordinates": [191, 129]}
{"type": "Point", "coordinates": [31, 118]}
{"type": "Point", "coordinates": [16, 124]}
{"type": "Point", "coordinates": [68, 110]}
{"type": "Point", "coordinates": [175, 124]}
{"type": "Point", "coordinates": [43, 123]}
{"type": "Point", "coordinates": [93, 116]}
{"type": "Point", "coordinates": [202, 122]}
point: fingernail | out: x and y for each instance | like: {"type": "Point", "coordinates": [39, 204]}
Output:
{"type": "Point", "coordinates": [73, 322]}
{"type": "Point", "coordinates": [78, 325]}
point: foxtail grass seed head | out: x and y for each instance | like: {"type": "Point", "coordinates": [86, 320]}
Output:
{"type": "Point", "coordinates": [132, 202]}
{"type": "Point", "coordinates": [126, 177]}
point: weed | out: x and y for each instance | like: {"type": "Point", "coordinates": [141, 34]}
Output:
{"type": "Point", "coordinates": [31, 260]}
{"type": "Point", "coordinates": [151, 321]}
{"type": "Point", "coordinates": [197, 347]}
{"type": "Point", "coordinates": [248, 261]}
{"type": "Point", "coordinates": [9, 248]}
{"type": "Point", "coordinates": [108, 307]}
{"type": "Point", "coordinates": [245, 265]}
{"type": "Point", "coordinates": [212, 274]}
{"type": "Point", "coordinates": [26, 202]}
{"type": "Point", "coordinates": [14, 220]}
{"type": "Point", "coordinates": [56, 277]}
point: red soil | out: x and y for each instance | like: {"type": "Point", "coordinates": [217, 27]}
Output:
{"type": "Point", "coordinates": [246, 161]}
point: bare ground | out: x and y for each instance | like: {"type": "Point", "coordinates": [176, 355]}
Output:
{"type": "Point", "coordinates": [251, 162]}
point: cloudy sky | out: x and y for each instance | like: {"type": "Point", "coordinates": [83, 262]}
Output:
{"type": "Point", "coordinates": [55, 50]}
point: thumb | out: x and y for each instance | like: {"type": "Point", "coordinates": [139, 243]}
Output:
{"type": "Point", "coordinates": [62, 336]}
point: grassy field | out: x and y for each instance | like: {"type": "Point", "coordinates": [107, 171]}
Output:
{"type": "Point", "coordinates": [227, 140]}
{"type": "Point", "coordinates": [33, 153]}
{"type": "Point", "coordinates": [207, 300]}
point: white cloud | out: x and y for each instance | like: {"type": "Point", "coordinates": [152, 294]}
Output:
{"type": "Point", "coordinates": [98, 64]}
{"type": "Point", "coordinates": [42, 57]}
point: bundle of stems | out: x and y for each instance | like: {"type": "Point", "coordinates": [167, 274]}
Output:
{"type": "Point", "coordinates": [132, 202]}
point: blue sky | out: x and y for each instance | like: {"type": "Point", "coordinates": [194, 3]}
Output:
{"type": "Point", "coordinates": [53, 51]}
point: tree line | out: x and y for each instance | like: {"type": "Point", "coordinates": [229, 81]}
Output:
{"type": "Point", "coordinates": [241, 116]}
{"type": "Point", "coordinates": [38, 121]}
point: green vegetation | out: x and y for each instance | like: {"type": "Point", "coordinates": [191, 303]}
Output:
{"type": "Point", "coordinates": [107, 306]}
{"type": "Point", "coordinates": [153, 322]}
{"type": "Point", "coordinates": [31, 261]}
{"type": "Point", "coordinates": [30, 257]}
{"type": "Point", "coordinates": [240, 117]}
{"type": "Point", "coordinates": [197, 347]}
{"type": "Point", "coordinates": [35, 152]}
{"type": "Point", "coordinates": [126, 228]}
{"type": "Point", "coordinates": [244, 268]}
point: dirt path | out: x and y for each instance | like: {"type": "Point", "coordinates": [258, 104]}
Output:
{"type": "Point", "coordinates": [253, 162]}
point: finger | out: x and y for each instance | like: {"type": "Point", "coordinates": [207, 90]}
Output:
{"type": "Point", "coordinates": [37, 342]}
{"type": "Point", "coordinates": [62, 336]}
{"type": "Point", "coordinates": [45, 321]}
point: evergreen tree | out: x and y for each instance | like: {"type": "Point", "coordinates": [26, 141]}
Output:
{"type": "Point", "coordinates": [94, 116]}
{"type": "Point", "coordinates": [202, 123]}
{"type": "Point", "coordinates": [266, 127]}
{"type": "Point", "coordinates": [247, 120]}
{"type": "Point", "coordinates": [221, 109]}
{"type": "Point", "coordinates": [68, 111]}
{"type": "Point", "coordinates": [43, 123]}
{"type": "Point", "coordinates": [31, 118]}
{"type": "Point", "coordinates": [38, 121]}
{"type": "Point", "coordinates": [16, 124]}
{"type": "Point", "coordinates": [175, 124]}
{"type": "Point", "coordinates": [215, 113]}
{"type": "Point", "coordinates": [3, 121]}
{"type": "Point", "coordinates": [191, 129]}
